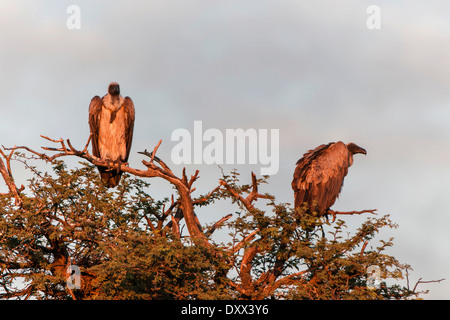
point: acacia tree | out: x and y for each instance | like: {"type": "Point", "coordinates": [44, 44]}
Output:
{"type": "Point", "coordinates": [129, 245]}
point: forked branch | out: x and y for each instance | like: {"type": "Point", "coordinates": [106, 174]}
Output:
{"type": "Point", "coordinates": [253, 196]}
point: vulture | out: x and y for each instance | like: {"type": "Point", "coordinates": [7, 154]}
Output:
{"type": "Point", "coordinates": [319, 175]}
{"type": "Point", "coordinates": [111, 122]}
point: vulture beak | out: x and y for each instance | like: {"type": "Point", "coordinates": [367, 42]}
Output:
{"type": "Point", "coordinates": [354, 149]}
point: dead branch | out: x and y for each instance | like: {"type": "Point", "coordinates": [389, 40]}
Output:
{"type": "Point", "coordinates": [239, 245]}
{"type": "Point", "coordinates": [178, 216]}
{"type": "Point", "coordinates": [149, 222]}
{"type": "Point", "coordinates": [175, 228]}
{"type": "Point", "coordinates": [335, 213]}
{"type": "Point", "coordinates": [253, 196]}
{"type": "Point", "coordinates": [364, 248]}
{"type": "Point", "coordinates": [429, 281]}
{"type": "Point", "coordinates": [8, 178]}
{"type": "Point", "coordinates": [155, 158]}
{"type": "Point", "coordinates": [193, 179]}
{"type": "Point", "coordinates": [154, 151]}
{"type": "Point", "coordinates": [217, 225]}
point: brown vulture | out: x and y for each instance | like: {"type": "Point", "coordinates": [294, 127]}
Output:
{"type": "Point", "coordinates": [111, 121]}
{"type": "Point", "coordinates": [319, 175]}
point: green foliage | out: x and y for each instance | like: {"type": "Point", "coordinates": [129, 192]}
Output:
{"type": "Point", "coordinates": [118, 239]}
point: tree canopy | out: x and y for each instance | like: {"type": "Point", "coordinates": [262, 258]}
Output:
{"type": "Point", "coordinates": [128, 245]}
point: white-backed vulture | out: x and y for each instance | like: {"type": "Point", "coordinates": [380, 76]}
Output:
{"type": "Point", "coordinates": [319, 175]}
{"type": "Point", "coordinates": [111, 122]}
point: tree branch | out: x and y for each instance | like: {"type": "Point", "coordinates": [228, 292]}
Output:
{"type": "Point", "coordinates": [8, 178]}
{"type": "Point", "coordinates": [209, 232]}
{"type": "Point", "coordinates": [429, 281]}
{"type": "Point", "coordinates": [238, 246]}
{"type": "Point", "coordinates": [253, 196]}
{"type": "Point", "coordinates": [335, 213]}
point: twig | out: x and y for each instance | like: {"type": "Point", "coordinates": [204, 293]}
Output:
{"type": "Point", "coordinates": [207, 196]}
{"type": "Point", "coordinates": [154, 150]}
{"type": "Point", "coordinates": [217, 224]}
{"type": "Point", "coordinates": [363, 248]}
{"type": "Point", "coordinates": [193, 178]}
{"type": "Point", "coordinates": [158, 160]}
{"type": "Point", "coordinates": [175, 228]}
{"type": "Point", "coordinates": [253, 196]}
{"type": "Point", "coordinates": [239, 245]}
{"type": "Point", "coordinates": [429, 281]}
{"type": "Point", "coordinates": [335, 213]}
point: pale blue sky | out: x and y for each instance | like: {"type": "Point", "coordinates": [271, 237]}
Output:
{"type": "Point", "coordinates": [309, 68]}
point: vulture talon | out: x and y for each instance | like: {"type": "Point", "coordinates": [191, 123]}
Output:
{"type": "Point", "coordinates": [118, 165]}
{"type": "Point", "coordinates": [108, 164]}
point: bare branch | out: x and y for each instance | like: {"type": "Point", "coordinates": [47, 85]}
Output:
{"type": "Point", "coordinates": [335, 213]}
{"type": "Point", "coordinates": [429, 281]}
{"type": "Point", "coordinates": [158, 160]}
{"type": "Point", "coordinates": [5, 171]}
{"type": "Point", "coordinates": [193, 178]}
{"type": "Point", "coordinates": [239, 245]}
{"type": "Point", "coordinates": [217, 225]}
{"type": "Point", "coordinates": [364, 247]}
{"type": "Point", "coordinates": [154, 151]}
{"type": "Point", "coordinates": [248, 201]}
{"type": "Point", "coordinates": [87, 143]}
{"type": "Point", "coordinates": [175, 228]}
{"type": "Point", "coordinates": [149, 222]}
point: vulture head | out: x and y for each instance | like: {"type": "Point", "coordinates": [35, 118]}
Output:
{"type": "Point", "coordinates": [114, 89]}
{"type": "Point", "coordinates": [354, 149]}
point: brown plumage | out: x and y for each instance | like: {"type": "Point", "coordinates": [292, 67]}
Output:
{"type": "Point", "coordinates": [319, 175]}
{"type": "Point", "coordinates": [111, 121]}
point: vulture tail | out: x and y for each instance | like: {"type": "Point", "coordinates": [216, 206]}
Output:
{"type": "Point", "coordinates": [110, 178]}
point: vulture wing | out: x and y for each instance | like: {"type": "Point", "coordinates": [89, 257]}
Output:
{"type": "Point", "coordinates": [319, 176]}
{"type": "Point", "coordinates": [128, 106]}
{"type": "Point", "coordinates": [95, 110]}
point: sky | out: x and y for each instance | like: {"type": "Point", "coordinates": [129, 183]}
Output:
{"type": "Point", "coordinates": [312, 69]}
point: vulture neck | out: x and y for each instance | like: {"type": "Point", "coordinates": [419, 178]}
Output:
{"type": "Point", "coordinates": [112, 103]}
{"type": "Point", "coordinates": [350, 160]}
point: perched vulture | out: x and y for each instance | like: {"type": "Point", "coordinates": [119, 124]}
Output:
{"type": "Point", "coordinates": [319, 175]}
{"type": "Point", "coordinates": [111, 121]}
